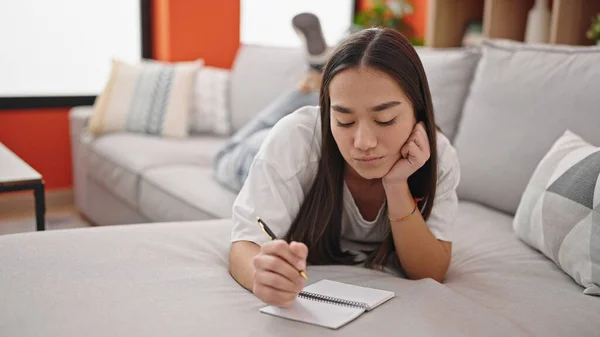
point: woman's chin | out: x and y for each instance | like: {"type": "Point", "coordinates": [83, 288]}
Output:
{"type": "Point", "coordinates": [372, 173]}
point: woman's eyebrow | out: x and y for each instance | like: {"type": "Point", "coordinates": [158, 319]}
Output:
{"type": "Point", "coordinates": [384, 106]}
{"type": "Point", "coordinates": [341, 109]}
{"type": "Point", "coordinates": [377, 108]}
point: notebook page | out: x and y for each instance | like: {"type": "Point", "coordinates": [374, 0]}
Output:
{"type": "Point", "coordinates": [372, 297]}
{"type": "Point", "coordinates": [318, 313]}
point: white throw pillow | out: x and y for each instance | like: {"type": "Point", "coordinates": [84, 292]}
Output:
{"type": "Point", "coordinates": [149, 97]}
{"type": "Point", "coordinates": [559, 212]}
{"type": "Point", "coordinates": [210, 111]}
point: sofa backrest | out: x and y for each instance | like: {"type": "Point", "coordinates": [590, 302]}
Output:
{"type": "Point", "coordinates": [449, 74]}
{"type": "Point", "coordinates": [259, 75]}
{"type": "Point", "coordinates": [522, 99]}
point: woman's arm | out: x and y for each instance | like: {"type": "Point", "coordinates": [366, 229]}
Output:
{"type": "Point", "coordinates": [241, 267]}
{"type": "Point", "coordinates": [420, 253]}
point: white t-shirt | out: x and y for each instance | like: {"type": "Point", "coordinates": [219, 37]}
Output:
{"type": "Point", "coordinates": [285, 168]}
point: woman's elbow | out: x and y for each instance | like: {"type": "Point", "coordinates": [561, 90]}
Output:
{"type": "Point", "coordinates": [436, 276]}
{"type": "Point", "coordinates": [436, 272]}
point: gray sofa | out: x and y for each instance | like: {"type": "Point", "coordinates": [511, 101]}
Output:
{"type": "Point", "coordinates": [133, 178]}
{"type": "Point", "coordinates": [502, 107]}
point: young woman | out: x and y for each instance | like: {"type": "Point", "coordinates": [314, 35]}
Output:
{"type": "Point", "coordinates": [364, 178]}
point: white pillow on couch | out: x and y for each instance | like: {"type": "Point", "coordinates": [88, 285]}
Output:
{"type": "Point", "coordinates": [149, 97]}
{"type": "Point", "coordinates": [210, 106]}
{"type": "Point", "coordinates": [559, 212]}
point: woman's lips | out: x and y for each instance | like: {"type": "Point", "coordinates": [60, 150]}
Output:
{"type": "Point", "coordinates": [368, 160]}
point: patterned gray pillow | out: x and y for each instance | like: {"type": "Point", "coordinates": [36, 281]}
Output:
{"type": "Point", "coordinates": [559, 212]}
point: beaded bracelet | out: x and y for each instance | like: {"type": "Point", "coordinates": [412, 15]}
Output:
{"type": "Point", "coordinates": [411, 213]}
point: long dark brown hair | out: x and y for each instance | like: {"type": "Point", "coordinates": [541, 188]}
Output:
{"type": "Point", "coordinates": [318, 223]}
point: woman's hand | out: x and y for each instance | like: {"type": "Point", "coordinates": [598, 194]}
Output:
{"type": "Point", "coordinates": [413, 155]}
{"type": "Point", "coordinates": [277, 279]}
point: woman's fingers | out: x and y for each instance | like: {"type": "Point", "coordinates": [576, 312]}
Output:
{"type": "Point", "coordinates": [413, 152]}
{"type": "Point", "coordinates": [282, 249]}
{"type": "Point", "coordinates": [419, 137]}
{"type": "Point", "coordinates": [273, 296]}
{"type": "Point", "coordinates": [272, 263]}
{"type": "Point", "coordinates": [278, 282]}
{"type": "Point", "coordinates": [301, 251]}
{"type": "Point", "coordinates": [405, 148]}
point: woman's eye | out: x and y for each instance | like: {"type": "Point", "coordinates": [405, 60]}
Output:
{"type": "Point", "coordinates": [344, 125]}
{"type": "Point", "coordinates": [390, 122]}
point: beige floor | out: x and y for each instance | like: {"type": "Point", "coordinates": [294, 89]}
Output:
{"type": "Point", "coordinates": [57, 218]}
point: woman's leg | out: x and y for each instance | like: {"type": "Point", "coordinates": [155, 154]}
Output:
{"type": "Point", "coordinates": [232, 163]}
{"type": "Point", "coordinates": [308, 28]}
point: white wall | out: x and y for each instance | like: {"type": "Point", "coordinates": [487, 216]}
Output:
{"type": "Point", "coordinates": [269, 22]}
{"type": "Point", "coordinates": [64, 47]}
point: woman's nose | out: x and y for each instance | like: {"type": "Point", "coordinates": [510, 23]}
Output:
{"type": "Point", "coordinates": [365, 138]}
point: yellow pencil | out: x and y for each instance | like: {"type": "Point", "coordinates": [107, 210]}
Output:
{"type": "Point", "coordinates": [272, 236]}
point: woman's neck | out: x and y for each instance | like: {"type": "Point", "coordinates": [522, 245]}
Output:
{"type": "Point", "coordinates": [368, 194]}
{"type": "Point", "coordinates": [352, 177]}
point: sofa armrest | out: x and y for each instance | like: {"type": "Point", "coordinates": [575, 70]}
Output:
{"type": "Point", "coordinates": [78, 120]}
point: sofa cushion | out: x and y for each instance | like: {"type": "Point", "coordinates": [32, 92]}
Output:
{"type": "Point", "coordinates": [150, 97]}
{"type": "Point", "coordinates": [498, 272]}
{"type": "Point", "coordinates": [522, 99]}
{"type": "Point", "coordinates": [449, 74]}
{"type": "Point", "coordinates": [116, 161]}
{"type": "Point", "coordinates": [210, 105]}
{"type": "Point", "coordinates": [172, 279]}
{"type": "Point", "coordinates": [259, 75]}
{"type": "Point", "coordinates": [183, 192]}
{"type": "Point", "coordinates": [559, 213]}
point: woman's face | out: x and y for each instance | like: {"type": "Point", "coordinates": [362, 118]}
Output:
{"type": "Point", "coordinates": [371, 118]}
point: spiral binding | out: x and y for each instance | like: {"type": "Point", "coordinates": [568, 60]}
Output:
{"type": "Point", "coordinates": [328, 299]}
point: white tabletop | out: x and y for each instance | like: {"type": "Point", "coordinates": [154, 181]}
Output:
{"type": "Point", "coordinates": [13, 170]}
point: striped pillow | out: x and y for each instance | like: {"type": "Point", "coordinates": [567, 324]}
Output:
{"type": "Point", "coordinates": [150, 97]}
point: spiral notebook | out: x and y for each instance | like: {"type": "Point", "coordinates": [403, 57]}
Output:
{"type": "Point", "coordinates": [331, 304]}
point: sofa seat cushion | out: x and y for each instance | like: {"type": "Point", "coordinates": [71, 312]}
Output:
{"type": "Point", "coordinates": [498, 272]}
{"type": "Point", "coordinates": [117, 161]}
{"type": "Point", "coordinates": [183, 192]}
{"type": "Point", "coordinates": [172, 279]}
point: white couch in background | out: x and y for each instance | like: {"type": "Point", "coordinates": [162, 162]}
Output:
{"type": "Point", "coordinates": [133, 178]}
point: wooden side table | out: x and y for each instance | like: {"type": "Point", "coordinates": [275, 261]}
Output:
{"type": "Point", "coordinates": [17, 175]}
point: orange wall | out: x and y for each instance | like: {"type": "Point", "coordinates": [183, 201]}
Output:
{"type": "Point", "coordinates": [182, 30]}
{"type": "Point", "coordinates": [187, 30]}
{"type": "Point", "coordinates": [41, 138]}
{"type": "Point", "coordinates": [418, 19]}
